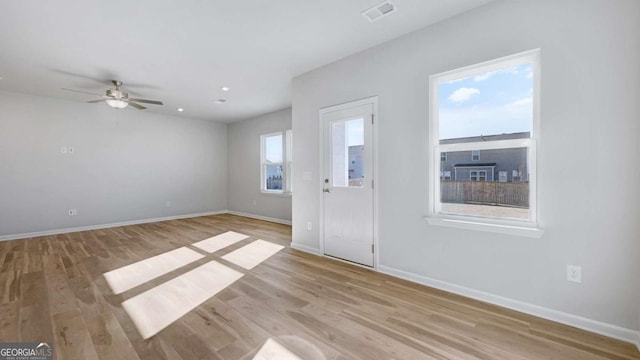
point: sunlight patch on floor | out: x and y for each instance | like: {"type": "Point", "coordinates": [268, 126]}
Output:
{"type": "Point", "coordinates": [272, 350]}
{"type": "Point", "coordinates": [221, 241]}
{"type": "Point", "coordinates": [130, 276]}
{"type": "Point", "coordinates": [157, 308]}
{"type": "Point", "coordinates": [253, 254]}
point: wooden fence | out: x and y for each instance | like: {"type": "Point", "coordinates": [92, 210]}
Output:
{"type": "Point", "coordinates": [485, 193]}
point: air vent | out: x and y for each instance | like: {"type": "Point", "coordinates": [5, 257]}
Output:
{"type": "Point", "coordinates": [379, 11]}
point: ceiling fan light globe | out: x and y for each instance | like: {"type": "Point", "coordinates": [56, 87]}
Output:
{"type": "Point", "coordinates": [117, 104]}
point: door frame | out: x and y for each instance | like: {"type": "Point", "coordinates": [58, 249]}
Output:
{"type": "Point", "coordinates": [373, 100]}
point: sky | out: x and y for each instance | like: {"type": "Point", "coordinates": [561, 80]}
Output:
{"type": "Point", "coordinates": [487, 103]}
{"type": "Point", "coordinates": [273, 155]}
{"type": "Point", "coordinates": [355, 132]}
{"type": "Point", "coordinates": [274, 148]}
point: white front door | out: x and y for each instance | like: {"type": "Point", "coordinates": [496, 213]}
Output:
{"type": "Point", "coordinates": [348, 182]}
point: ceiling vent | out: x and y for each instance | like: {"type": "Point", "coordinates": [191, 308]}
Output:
{"type": "Point", "coordinates": [379, 11]}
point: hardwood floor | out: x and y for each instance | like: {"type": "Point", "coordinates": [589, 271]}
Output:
{"type": "Point", "coordinates": [52, 289]}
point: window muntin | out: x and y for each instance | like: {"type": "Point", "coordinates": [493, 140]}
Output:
{"type": "Point", "coordinates": [276, 162]}
{"type": "Point", "coordinates": [486, 108]}
{"type": "Point", "coordinates": [443, 156]}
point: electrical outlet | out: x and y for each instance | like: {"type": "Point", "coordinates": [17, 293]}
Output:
{"type": "Point", "coordinates": [574, 273]}
{"type": "Point", "coordinates": [309, 225]}
{"type": "Point", "coordinates": [73, 212]}
{"type": "Point", "coordinates": [64, 150]}
{"type": "Point", "coordinates": [71, 150]}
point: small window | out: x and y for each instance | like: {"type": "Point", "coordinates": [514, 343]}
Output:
{"type": "Point", "coordinates": [516, 176]}
{"type": "Point", "coordinates": [490, 108]}
{"type": "Point", "coordinates": [276, 162]}
{"type": "Point", "coordinates": [478, 175]}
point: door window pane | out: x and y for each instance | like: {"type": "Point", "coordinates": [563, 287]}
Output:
{"type": "Point", "coordinates": [347, 150]}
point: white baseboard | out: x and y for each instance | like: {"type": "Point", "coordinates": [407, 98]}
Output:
{"type": "Point", "coordinates": [305, 248]}
{"type": "Point", "coordinates": [260, 217]}
{"type": "Point", "coordinates": [105, 226]}
{"type": "Point", "coordinates": [614, 331]}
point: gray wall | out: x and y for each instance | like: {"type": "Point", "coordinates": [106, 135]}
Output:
{"type": "Point", "coordinates": [590, 111]}
{"type": "Point", "coordinates": [244, 166]}
{"type": "Point", "coordinates": [127, 164]}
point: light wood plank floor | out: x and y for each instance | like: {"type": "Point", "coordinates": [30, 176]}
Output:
{"type": "Point", "coordinates": [52, 289]}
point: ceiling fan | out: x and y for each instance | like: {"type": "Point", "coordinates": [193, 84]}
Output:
{"type": "Point", "coordinates": [118, 99]}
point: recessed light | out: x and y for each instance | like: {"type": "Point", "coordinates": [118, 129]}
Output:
{"type": "Point", "coordinates": [225, 88]}
{"type": "Point", "coordinates": [220, 101]}
{"type": "Point", "coordinates": [180, 109]}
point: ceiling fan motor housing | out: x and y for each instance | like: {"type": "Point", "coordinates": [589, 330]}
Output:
{"type": "Point", "coordinates": [117, 94]}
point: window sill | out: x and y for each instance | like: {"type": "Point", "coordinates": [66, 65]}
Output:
{"type": "Point", "coordinates": [532, 232]}
{"type": "Point", "coordinates": [272, 193]}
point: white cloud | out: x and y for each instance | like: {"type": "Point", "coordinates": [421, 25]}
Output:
{"type": "Point", "coordinates": [527, 101]}
{"type": "Point", "coordinates": [485, 76]}
{"type": "Point", "coordinates": [463, 94]}
{"type": "Point", "coordinates": [489, 74]}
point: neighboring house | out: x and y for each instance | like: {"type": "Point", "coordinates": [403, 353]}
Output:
{"type": "Point", "coordinates": [356, 169]}
{"type": "Point", "coordinates": [503, 165]}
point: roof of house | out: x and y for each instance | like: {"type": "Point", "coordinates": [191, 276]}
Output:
{"type": "Point", "coordinates": [475, 165]}
{"type": "Point", "coordinates": [518, 135]}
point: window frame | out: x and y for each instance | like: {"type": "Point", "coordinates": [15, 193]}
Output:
{"type": "Point", "coordinates": [435, 215]}
{"type": "Point", "coordinates": [287, 163]}
{"type": "Point", "coordinates": [475, 153]}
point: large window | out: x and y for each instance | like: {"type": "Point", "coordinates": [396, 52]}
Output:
{"type": "Point", "coordinates": [276, 161]}
{"type": "Point", "coordinates": [489, 109]}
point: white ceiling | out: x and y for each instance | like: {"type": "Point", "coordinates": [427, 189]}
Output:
{"type": "Point", "coordinates": [182, 52]}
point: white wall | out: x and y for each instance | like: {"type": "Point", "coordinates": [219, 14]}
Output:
{"type": "Point", "coordinates": [244, 166]}
{"type": "Point", "coordinates": [127, 164]}
{"type": "Point", "coordinates": [588, 153]}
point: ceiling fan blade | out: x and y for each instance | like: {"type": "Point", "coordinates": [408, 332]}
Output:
{"type": "Point", "coordinates": [153, 102]}
{"type": "Point", "coordinates": [83, 92]}
{"type": "Point", "coordinates": [137, 106]}
{"type": "Point", "coordinates": [95, 101]}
